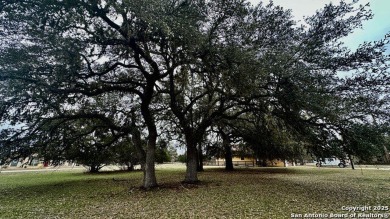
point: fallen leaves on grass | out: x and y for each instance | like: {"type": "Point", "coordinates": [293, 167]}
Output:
{"type": "Point", "coordinates": [250, 193]}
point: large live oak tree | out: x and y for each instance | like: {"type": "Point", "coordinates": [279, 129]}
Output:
{"type": "Point", "coordinates": [209, 61]}
{"type": "Point", "coordinates": [62, 52]}
{"type": "Point", "coordinates": [257, 60]}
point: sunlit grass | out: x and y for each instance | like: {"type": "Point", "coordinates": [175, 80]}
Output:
{"type": "Point", "coordinates": [245, 193]}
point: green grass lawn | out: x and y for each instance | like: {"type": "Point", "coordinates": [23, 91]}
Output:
{"type": "Point", "coordinates": [245, 193]}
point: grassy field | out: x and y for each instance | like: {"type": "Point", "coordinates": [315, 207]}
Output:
{"type": "Point", "coordinates": [244, 193]}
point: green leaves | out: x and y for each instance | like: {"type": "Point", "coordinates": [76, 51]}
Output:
{"type": "Point", "coordinates": [200, 61]}
{"type": "Point", "coordinates": [364, 141]}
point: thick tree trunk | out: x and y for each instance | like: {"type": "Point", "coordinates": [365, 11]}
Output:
{"type": "Point", "coordinates": [94, 169]}
{"type": "Point", "coordinates": [130, 167]}
{"type": "Point", "coordinates": [228, 158]}
{"type": "Point", "coordinates": [200, 158]}
{"type": "Point", "coordinates": [191, 172]}
{"type": "Point", "coordinates": [228, 152]}
{"type": "Point", "coordinates": [188, 130]}
{"type": "Point", "coordinates": [150, 180]}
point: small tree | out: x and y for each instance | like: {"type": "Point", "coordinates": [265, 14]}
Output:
{"type": "Point", "coordinates": [126, 154]}
{"type": "Point", "coordinates": [182, 158]}
{"type": "Point", "coordinates": [363, 141]}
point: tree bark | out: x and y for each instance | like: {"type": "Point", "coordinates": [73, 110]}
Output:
{"type": "Point", "coordinates": [200, 158]}
{"type": "Point", "coordinates": [228, 158]}
{"type": "Point", "coordinates": [191, 171]}
{"type": "Point", "coordinates": [130, 167]}
{"type": "Point", "coordinates": [93, 169]}
{"type": "Point", "coordinates": [228, 152]}
{"type": "Point", "coordinates": [150, 180]}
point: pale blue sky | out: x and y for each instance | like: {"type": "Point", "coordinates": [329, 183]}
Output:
{"type": "Point", "coordinates": [374, 29]}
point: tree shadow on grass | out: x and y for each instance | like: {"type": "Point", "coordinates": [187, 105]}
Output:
{"type": "Point", "coordinates": [96, 184]}
{"type": "Point", "coordinates": [76, 185]}
{"type": "Point", "coordinates": [112, 172]}
{"type": "Point", "coordinates": [308, 183]}
{"type": "Point", "coordinates": [258, 170]}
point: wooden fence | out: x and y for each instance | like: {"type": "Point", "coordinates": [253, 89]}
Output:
{"type": "Point", "coordinates": [235, 163]}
